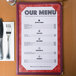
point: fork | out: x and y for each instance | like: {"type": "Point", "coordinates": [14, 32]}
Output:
{"type": "Point", "coordinates": [8, 32]}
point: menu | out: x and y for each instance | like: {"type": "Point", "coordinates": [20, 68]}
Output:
{"type": "Point", "coordinates": [39, 38]}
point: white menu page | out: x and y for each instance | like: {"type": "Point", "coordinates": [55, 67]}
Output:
{"type": "Point", "coordinates": [39, 49]}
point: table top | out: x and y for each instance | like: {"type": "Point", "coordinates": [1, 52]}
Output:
{"type": "Point", "coordinates": [8, 13]}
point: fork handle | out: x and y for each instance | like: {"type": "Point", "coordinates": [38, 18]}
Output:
{"type": "Point", "coordinates": [8, 54]}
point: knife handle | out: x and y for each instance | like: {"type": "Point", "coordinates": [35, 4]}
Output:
{"type": "Point", "coordinates": [1, 48]}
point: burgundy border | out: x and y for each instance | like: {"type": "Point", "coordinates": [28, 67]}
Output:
{"type": "Point", "coordinates": [17, 40]}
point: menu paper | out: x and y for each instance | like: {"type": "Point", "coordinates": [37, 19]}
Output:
{"type": "Point", "coordinates": [39, 38]}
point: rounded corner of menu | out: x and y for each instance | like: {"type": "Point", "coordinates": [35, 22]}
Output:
{"type": "Point", "coordinates": [60, 4]}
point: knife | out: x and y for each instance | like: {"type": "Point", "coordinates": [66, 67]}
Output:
{"type": "Point", "coordinates": [1, 39]}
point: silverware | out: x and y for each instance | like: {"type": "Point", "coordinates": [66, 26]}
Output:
{"type": "Point", "coordinates": [1, 39]}
{"type": "Point", "coordinates": [8, 32]}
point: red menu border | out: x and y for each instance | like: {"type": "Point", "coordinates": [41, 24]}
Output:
{"type": "Point", "coordinates": [59, 68]}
